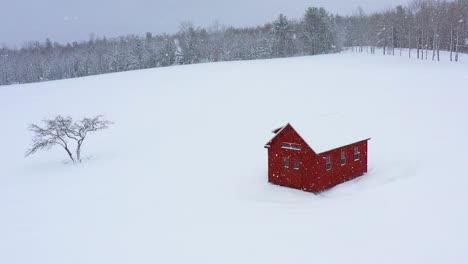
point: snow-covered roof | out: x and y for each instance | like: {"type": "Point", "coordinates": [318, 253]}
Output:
{"type": "Point", "coordinates": [330, 132]}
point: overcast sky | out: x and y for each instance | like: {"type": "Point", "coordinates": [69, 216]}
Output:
{"type": "Point", "coordinates": [69, 20]}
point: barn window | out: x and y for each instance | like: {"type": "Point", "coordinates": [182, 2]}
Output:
{"type": "Point", "coordinates": [296, 165]}
{"type": "Point", "coordinates": [291, 146]}
{"type": "Point", "coordinates": [329, 163]}
{"type": "Point", "coordinates": [343, 157]}
{"type": "Point", "coordinates": [356, 153]}
{"type": "Point", "coordinates": [286, 163]}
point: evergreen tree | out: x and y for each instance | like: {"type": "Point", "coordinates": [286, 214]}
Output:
{"type": "Point", "coordinates": [317, 31]}
{"type": "Point", "coordinates": [283, 44]}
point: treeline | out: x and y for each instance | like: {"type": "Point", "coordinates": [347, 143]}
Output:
{"type": "Point", "coordinates": [422, 25]}
{"type": "Point", "coordinates": [314, 34]}
{"type": "Point", "coordinates": [425, 26]}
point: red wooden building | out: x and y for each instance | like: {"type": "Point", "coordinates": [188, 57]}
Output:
{"type": "Point", "coordinates": [293, 163]}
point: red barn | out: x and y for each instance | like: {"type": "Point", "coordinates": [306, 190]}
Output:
{"type": "Point", "coordinates": [293, 163]}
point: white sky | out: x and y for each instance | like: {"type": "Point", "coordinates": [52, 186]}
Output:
{"type": "Point", "coordinates": [69, 20]}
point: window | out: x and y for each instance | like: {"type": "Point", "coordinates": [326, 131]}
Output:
{"type": "Point", "coordinates": [286, 163]}
{"type": "Point", "coordinates": [343, 157]}
{"type": "Point", "coordinates": [296, 165]}
{"type": "Point", "coordinates": [291, 146]}
{"type": "Point", "coordinates": [356, 153]}
{"type": "Point", "coordinates": [329, 163]}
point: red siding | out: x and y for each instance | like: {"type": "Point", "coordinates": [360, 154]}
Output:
{"type": "Point", "coordinates": [312, 174]}
{"type": "Point", "coordinates": [277, 173]}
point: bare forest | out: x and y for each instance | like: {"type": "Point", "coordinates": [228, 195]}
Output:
{"type": "Point", "coordinates": [419, 30]}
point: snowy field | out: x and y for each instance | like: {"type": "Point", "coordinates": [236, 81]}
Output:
{"type": "Point", "coordinates": [182, 175]}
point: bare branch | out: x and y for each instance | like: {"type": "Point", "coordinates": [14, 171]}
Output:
{"type": "Point", "coordinates": [83, 127]}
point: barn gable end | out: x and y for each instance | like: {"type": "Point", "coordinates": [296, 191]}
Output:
{"type": "Point", "coordinates": [288, 157]}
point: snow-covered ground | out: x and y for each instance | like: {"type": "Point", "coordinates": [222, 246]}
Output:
{"type": "Point", "coordinates": [182, 175]}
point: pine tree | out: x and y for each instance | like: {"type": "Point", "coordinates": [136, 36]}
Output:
{"type": "Point", "coordinates": [317, 31]}
{"type": "Point", "coordinates": [283, 44]}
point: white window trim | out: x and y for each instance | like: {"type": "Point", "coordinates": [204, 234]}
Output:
{"type": "Point", "coordinates": [358, 153]}
{"type": "Point", "coordinates": [341, 158]}
{"type": "Point", "coordinates": [327, 159]}
{"type": "Point", "coordinates": [291, 146]}
{"type": "Point", "coordinates": [294, 165]}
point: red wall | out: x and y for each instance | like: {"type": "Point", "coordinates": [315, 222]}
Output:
{"type": "Point", "coordinates": [312, 174]}
{"type": "Point", "coordinates": [277, 173]}
{"type": "Point", "coordinates": [325, 179]}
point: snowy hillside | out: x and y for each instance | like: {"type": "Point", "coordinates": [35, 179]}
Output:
{"type": "Point", "coordinates": [182, 175]}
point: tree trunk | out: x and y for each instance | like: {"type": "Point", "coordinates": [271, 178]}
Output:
{"type": "Point", "coordinates": [427, 44]}
{"type": "Point", "coordinates": [409, 45]}
{"type": "Point", "coordinates": [456, 45]}
{"type": "Point", "coordinates": [78, 151]}
{"type": "Point", "coordinates": [69, 153]}
{"type": "Point", "coordinates": [451, 44]}
{"type": "Point", "coordinates": [385, 44]}
{"type": "Point", "coordinates": [422, 45]}
{"type": "Point", "coordinates": [417, 48]}
{"type": "Point", "coordinates": [434, 46]}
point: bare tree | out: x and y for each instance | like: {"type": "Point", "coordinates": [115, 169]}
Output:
{"type": "Point", "coordinates": [60, 130]}
{"type": "Point", "coordinates": [52, 134]}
